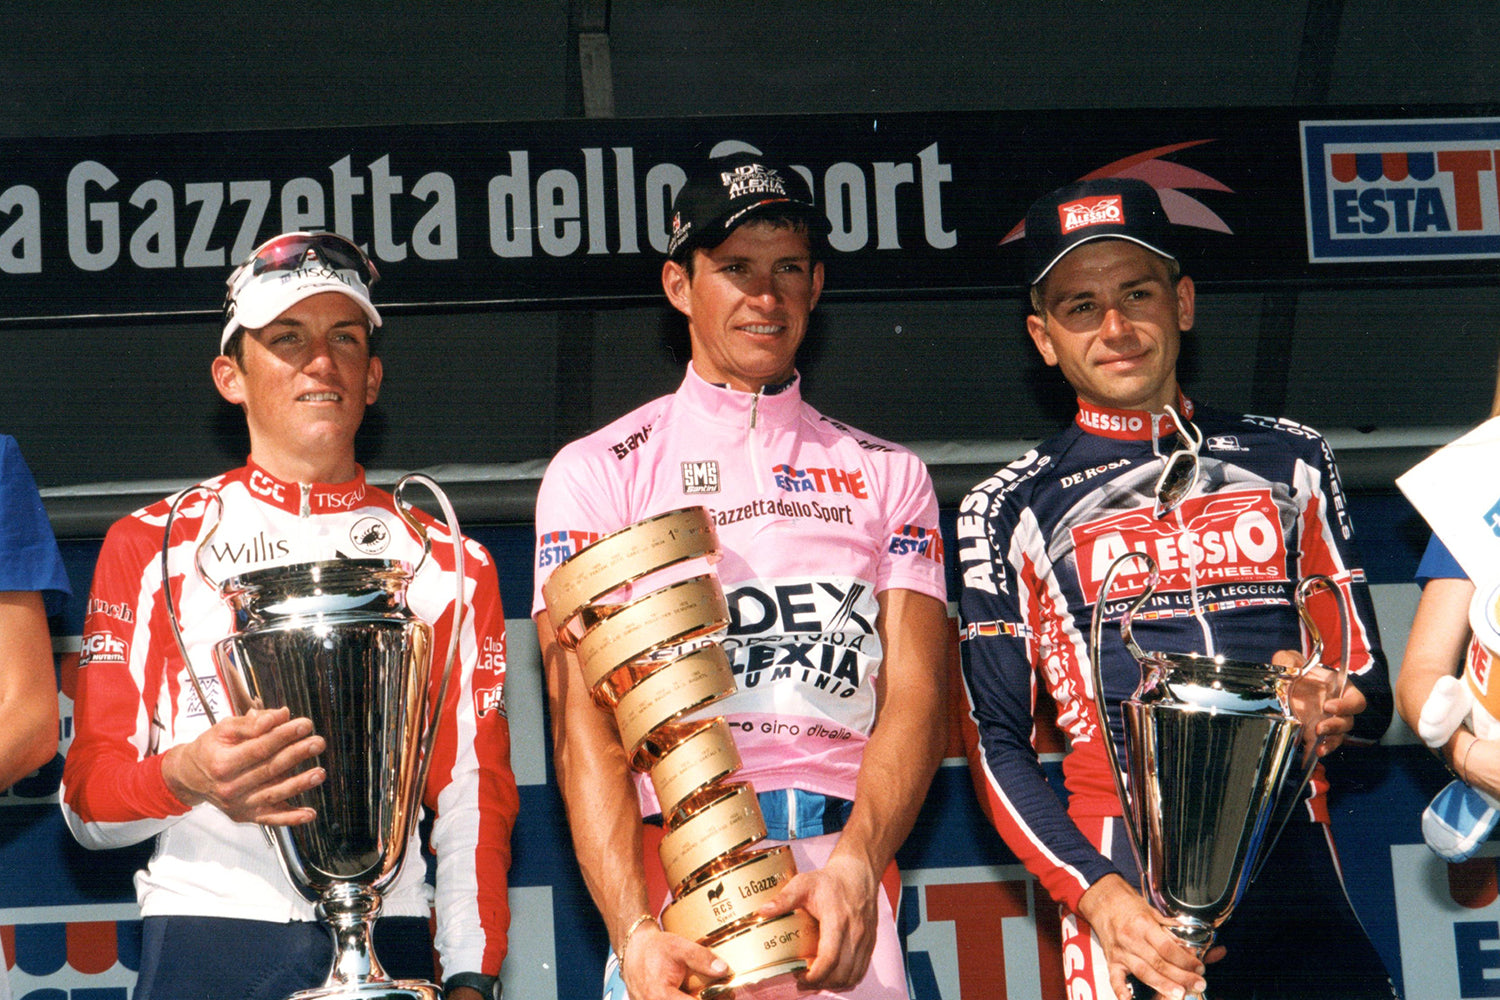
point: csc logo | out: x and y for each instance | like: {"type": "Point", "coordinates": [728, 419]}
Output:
{"type": "Point", "coordinates": [265, 486]}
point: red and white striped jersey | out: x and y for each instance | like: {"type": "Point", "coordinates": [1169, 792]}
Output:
{"type": "Point", "coordinates": [135, 701]}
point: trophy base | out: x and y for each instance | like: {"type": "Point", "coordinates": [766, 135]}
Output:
{"type": "Point", "coordinates": [389, 989]}
{"type": "Point", "coordinates": [766, 949]}
{"type": "Point", "coordinates": [724, 988]}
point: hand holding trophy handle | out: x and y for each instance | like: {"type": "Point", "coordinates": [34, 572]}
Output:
{"type": "Point", "coordinates": [1096, 625]}
{"type": "Point", "coordinates": [450, 521]}
{"type": "Point", "coordinates": [1286, 804]}
{"type": "Point", "coordinates": [166, 581]}
{"type": "Point", "coordinates": [1215, 758]}
{"type": "Point", "coordinates": [1315, 655]}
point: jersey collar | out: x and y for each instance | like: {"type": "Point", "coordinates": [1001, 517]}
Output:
{"type": "Point", "coordinates": [773, 405]}
{"type": "Point", "coordinates": [322, 498]}
{"type": "Point", "coordinates": [1130, 425]}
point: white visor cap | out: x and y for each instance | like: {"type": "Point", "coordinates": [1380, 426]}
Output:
{"type": "Point", "coordinates": [266, 296]}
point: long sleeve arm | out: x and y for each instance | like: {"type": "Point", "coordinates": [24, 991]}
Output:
{"type": "Point", "coordinates": [1007, 624]}
{"type": "Point", "coordinates": [1328, 547]}
{"type": "Point", "coordinates": [113, 793]}
{"type": "Point", "coordinates": [471, 787]}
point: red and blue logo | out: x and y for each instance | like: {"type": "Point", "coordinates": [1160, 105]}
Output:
{"type": "Point", "coordinates": [556, 547]}
{"type": "Point", "coordinates": [912, 538]}
{"type": "Point", "coordinates": [790, 479]}
{"type": "Point", "coordinates": [1402, 190]}
{"type": "Point", "coordinates": [88, 946]}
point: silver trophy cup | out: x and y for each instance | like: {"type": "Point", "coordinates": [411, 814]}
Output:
{"type": "Point", "coordinates": [335, 642]}
{"type": "Point", "coordinates": [1217, 754]}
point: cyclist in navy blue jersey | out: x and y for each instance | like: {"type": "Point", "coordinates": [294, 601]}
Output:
{"type": "Point", "coordinates": [1235, 510]}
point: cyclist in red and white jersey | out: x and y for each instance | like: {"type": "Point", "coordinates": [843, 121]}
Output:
{"type": "Point", "coordinates": [146, 763]}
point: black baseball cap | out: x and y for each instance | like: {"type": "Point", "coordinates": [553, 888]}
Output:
{"type": "Point", "coordinates": [1106, 208]}
{"type": "Point", "coordinates": [723, 193]}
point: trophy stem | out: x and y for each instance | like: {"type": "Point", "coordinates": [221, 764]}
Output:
{"type": "Point", "coordinates": [349, 910]}
{"type": "Point", "coordinates": [1199, 937]}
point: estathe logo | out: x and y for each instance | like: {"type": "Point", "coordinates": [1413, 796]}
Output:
{"type": "Point", "coordinates": [1492, 518]}
{"type": "Point", "coordinates": [810, 480]}
{"type": "Point", "coordinates": [1107, 209]}
{"type": "Point", "coordinates": [1411, 189]}
{"type": "Point", "coordinates": [1484, 620]}
{"type": "Point", "coordinates": [911, 538]}
{"type": "Point", "coordinates": [556, 547]}
{"type": "Point", "coordinates": [1479, 668]}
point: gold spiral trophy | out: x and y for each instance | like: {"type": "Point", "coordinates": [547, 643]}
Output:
{"type": "Point", "coordinates": [653, 661]}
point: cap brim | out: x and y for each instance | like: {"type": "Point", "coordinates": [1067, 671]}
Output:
{"type": "Point", "coordinates": [1091, 238]}
{"type": "Point", "coordinates": [779, 206]}
{"type": "Point", "coordinates": [719, 231]}
{"type": "Point", "coordinates": [260, 302]}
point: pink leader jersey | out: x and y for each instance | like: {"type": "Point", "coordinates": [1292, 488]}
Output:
{"type": "Point", "coordinates": [816, 519]}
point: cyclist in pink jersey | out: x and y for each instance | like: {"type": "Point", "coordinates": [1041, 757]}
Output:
{"type": "Point", "coordinates": [834, 576]}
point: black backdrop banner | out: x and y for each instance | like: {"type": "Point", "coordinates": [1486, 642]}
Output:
{"type": "Point", "coordinates": [577, 212]}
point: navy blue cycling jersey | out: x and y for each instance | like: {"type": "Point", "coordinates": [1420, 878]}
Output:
{"type": "Point", "coordinates": [1034, 543]}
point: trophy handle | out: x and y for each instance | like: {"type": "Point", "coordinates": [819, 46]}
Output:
{"type": "Point", "coordinates": [403, 509]}
{"type": "Point", "coordinates": [1287, 804]}
{"type": "Point", "coordinates": [451, 523]}
{"type": "Point", "coordinates": [1152, 576]}
{"type": "Point", "coordinates": [166, 582]}
{"type": "Point", "coordinates": [1304, 589]}
{"type": "Point", "coordinates": [1096, 625]}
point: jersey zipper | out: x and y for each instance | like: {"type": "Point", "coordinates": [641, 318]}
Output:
{"type": "Point", "coordinates": [305, 524]}
{"type": "Point", "coordinates": [1209, 646]}
{"type": "Point", "coordinates": [754, 443]}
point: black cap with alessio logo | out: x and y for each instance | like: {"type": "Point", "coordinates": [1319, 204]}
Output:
{"type": "Point", "coordinates": [723, 193]}
{"type": "Point", "coordinates": [1106, 208]}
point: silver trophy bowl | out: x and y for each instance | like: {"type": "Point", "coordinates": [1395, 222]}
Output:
{"type": "Point", "coordinates": [1217, 754]}
{"type": "Point", "coordinates": [335, 642]}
